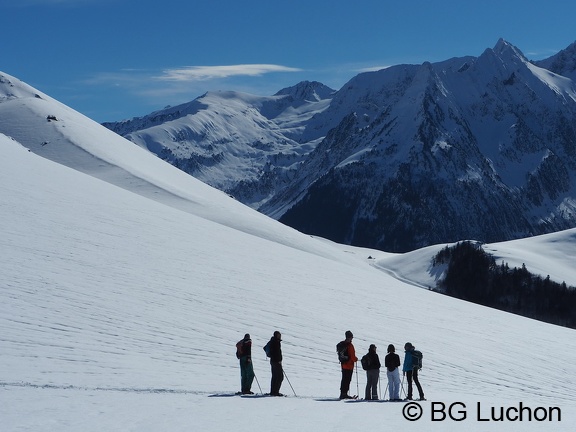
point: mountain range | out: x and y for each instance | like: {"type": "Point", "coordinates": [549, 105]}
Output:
{"type": "Point", "coordinates": [125, 284]}
{"type": "Point", "coordinates": [397, 159]}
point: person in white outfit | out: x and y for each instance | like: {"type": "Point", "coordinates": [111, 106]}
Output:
{"type": "Point", "coordinates": [392, 363]}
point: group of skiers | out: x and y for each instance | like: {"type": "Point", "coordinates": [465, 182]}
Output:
{"type": "Point", "coordinates": [371, 364]}
{"type": "Point", "coordinates": [347, 357]}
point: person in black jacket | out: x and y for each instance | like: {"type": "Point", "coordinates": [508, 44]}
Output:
{"type": "Point", "coordinates": [276, 364]}
{"type": "Point", "coordinates": [392, 363]}
{"type": "Point", "coordinates": [372, 373]}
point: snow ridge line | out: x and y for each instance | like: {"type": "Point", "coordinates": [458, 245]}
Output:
{"type": "Point", "coordinates": [136, 390]}
{"type": "Point", "coordinates": [400, 278]}
{"type": "Point", "coordinates": [111, 389]}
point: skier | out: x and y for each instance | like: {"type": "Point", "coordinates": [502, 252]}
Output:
{"type": "Point", "coordinates": [392, 363]}
{"type": "Point", "coordinates": [276, 364]}
{"type": "Point", "coordinates": [411, 371]}
{"type": "Point", "coordinates": [372, 373]}
{"type": "Point", "coordinates": [244, 353]}
{"type": "Point", "coordinates": [347, 366]}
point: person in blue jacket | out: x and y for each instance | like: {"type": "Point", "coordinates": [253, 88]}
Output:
{"type": "Point", "coordinates": [411, 371]}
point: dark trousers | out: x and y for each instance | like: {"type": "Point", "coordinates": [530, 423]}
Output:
{"type": "Point", "coordinates": [247, 374]}
{"type": "Point", "coordinates": [413, 376]}
{"type": "Point", "coordinates": [345, 383]}
{"type": "Point", "coordinates": [277, 377]}
{"type": "Point", "coordinates": [372, 379]}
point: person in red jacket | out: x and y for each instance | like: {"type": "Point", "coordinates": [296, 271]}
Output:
{"type": "Point", "coordinates": [347, 365]}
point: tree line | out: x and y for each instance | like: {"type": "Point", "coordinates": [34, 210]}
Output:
{"type": "Point", "coordinates": [473, 275]}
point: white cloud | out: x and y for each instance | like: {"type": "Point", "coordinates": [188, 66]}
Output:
{"type": "Point", "coordinates": [202, 73]}
{"type": "Point", "coordinates": [372, 68]}
{"type": "Point", "coordinates": [178, 85]}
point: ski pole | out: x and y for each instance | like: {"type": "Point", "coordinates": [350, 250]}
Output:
{"type": "Point", "coordinates": [257, 382]}
{"type": "Point", "coordinates": [289, 381]}
{"type": "Point", "coordinates": [385, 389]}
{"type": "Point", "coordinates": [402, 385]}
{"type": "Point", "coordinates": [357, 385]}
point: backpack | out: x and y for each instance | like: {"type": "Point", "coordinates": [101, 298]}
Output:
{"type": "Point", "coordinates": [266, 349]}
{"type": "Point", "coordinates": [342, 350]}
{"type": "Point", "coordinates": [365, 362]}
{"type": "Point", "coordinates": [417, 359]}
{"type": "Point", "coordinates": [239, 346]}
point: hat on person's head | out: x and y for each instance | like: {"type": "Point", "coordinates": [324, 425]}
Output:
{"type": "Point", "coordinates": [391, 348]}
{"type": "Point", "coordinates": [408, 346]}
{"type": "Point", "coordinates": [372, 347]}
{"type": "Point", "coordinates": [349, 334]}
{"type": "Point", "coordinates": [247, 336]}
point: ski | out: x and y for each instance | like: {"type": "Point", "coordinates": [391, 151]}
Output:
{"type": "Point", "coordinates": [366, 400]}
{"type": "Point", "coordinates": [223, 395]}
{"type": "Point", "coordinates": [258, 395]}
{"type": "Point", "coordinates": [350, 398]}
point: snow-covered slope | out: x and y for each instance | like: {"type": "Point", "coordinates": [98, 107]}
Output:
{"type": "Point", "coordinates": [74, 140]}
{"type": "Point", "coordinates": [546, 255]}
{"type": "Point", "coordinates": [243, 144]}
{"type": "Point", "coordinates": [120, 308]}
{"type": "Point", "coordinates": [562, 63]}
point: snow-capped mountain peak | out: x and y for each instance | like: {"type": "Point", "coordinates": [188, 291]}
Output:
{"type": "Point", "coordinates": [241, 143]}
{"type": "Point", "coordinates": [507, 51]}
{"type": "Point", "coordinates": [312, 91]}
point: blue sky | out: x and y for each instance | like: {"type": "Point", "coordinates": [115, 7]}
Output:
{"type": "Point", "coordinates": [116, 59]}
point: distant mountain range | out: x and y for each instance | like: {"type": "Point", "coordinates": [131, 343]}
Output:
{"type": "Point", "coordinates": [246, 145]}
{"type": "Point", "coordinates": [469, 148]}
